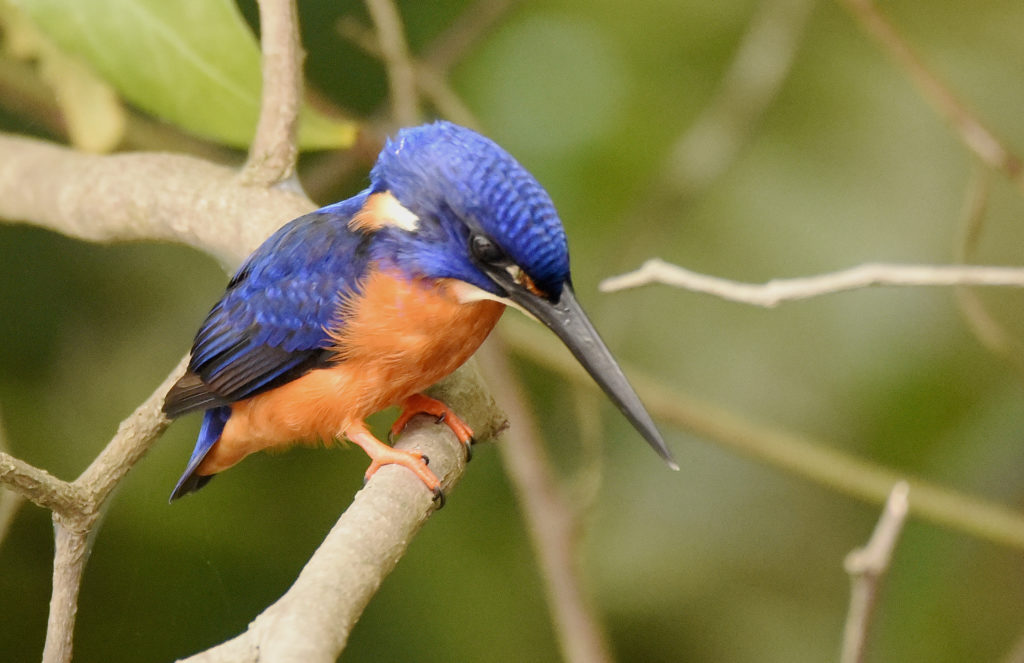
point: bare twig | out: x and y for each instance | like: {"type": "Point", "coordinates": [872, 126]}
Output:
{"type": "Point", "coordinates": [972, 132]}
{"type": "Point", "coordinates": [992, 334]}
{"type": "Point", "coordinates": [866, 567]}
{"type": "Point", "coordinates": [800, 455]}
{"type": "Point", "coordinates": [759, 68]}
{"type": "Point", "coordinates": [428, 80]}
{"type": "Point", "coordinates": [550, 520]}
{"type": "Point", "coordinates": [776, 291]}
{"type": "Point", "coordinates": [452, 45]}
{"type": "Point", "coordinates": [395, 53]}
{"type": "Point", "coordinates": [274, 150]}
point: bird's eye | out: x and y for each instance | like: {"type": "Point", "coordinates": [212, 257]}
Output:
{"type": "Point", "coordinates": [485, 250]}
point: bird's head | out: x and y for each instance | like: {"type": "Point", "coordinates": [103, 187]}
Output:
{"type": "Point", "coordinates": [448, 203]}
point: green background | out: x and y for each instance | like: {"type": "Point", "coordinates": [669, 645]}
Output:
{"type": "Point", "coordinates": [727, 560]}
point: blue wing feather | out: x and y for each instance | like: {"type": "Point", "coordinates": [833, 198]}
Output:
{"type": "Point", "coordinates": [209, 433]}
{"type": "Point", "coordinates": [269, 327]}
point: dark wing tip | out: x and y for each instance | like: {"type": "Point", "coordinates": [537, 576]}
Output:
{"type": "Point", "coordinates": [189, 484]}
{"type": "Point", "coordinates": [188, 394]}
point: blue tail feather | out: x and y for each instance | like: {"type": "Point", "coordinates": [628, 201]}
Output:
{"type": "Point", "coordinates": [213, 425]}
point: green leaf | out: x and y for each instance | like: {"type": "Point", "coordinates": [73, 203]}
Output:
{"type": "Point", "coordinates": [194, 63]}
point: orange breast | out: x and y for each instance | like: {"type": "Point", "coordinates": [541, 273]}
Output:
{"type": "Point", "coordinates": [398, 338]}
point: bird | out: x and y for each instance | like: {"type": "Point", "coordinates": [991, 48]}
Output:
{"type": "Point", "coordinates": [363, 304]}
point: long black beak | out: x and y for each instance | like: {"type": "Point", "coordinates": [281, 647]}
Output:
{"type": "Point", "coordinates": [567, 319]}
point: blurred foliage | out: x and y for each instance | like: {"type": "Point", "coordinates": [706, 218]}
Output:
{"type": "Point", "coordinates": [725, 561]}
{"type": "Point", "coordinates": [191, 62]}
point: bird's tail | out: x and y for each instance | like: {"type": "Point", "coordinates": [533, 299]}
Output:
{"type": "Point", "coordinates": [213, 425]}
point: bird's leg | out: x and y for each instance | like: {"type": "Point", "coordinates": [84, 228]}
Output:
{"type": "Point", "coordinates": [381, 454]}
{"type": "Point", "coordinates": [420, 404]}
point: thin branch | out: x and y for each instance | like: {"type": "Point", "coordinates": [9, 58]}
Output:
{"type": "Point", "coordinates": [761, 65]}
{"type": "Point", "coordinates": [430, 81]}
{"type": "Point", "coordinates": [776, 291]}
{"type": "Point", "coordinates": [992, 334]}
{"type": "Point", "coordinates": [395, 53]}
{"type": "Point", "coordinates": [312, 621]}
{"type": "Point", "coordinates": [866, 567]}
{"type": "Point", "coordinates": [274, 149]}
{"type": "Point", "coordinates": [803, 456]}
{"type": "Point", "coordinates": [452, 45]}
{"type": "Point", "coordinates": [972, 132]}
{"type": "Point", "coordinates": [36, 485]}
{"type": "Point", "coordinates": [550, 520]}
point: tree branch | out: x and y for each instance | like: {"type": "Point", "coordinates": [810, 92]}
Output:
{"type": "Point", "coordinates": [395, 53]}
{"type": "Point", "coordinates": [312, 621]}
{"type": "Point", "coordinates": [139, 196]}
{"type": "Point", "coordinates": [274, 150]}
{"type": "Point", "coordinates": [759, 68]}
{"type": "Point", "coordinates": [776, 291]}
{"type": "Point", "coordinates": [552, 524]}
{"type": "Point", "coordinates": [972, 132]}
{"type": "Point", "coordinates": [800, 455]}
{"type": "Point", "coordinates": [866, 567]}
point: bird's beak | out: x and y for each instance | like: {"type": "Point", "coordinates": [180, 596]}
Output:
{"type": "Point", "coordinates": [567, 319]}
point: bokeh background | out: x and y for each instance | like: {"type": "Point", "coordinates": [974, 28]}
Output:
{"type": "Point", "coordinates": [729, 559]}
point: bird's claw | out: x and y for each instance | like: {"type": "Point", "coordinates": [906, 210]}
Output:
{"type": "Point", "coordinates": [439, 498]}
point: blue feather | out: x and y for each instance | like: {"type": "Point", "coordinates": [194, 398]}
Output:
{"type": "Point", "coordinates": [209, 433]}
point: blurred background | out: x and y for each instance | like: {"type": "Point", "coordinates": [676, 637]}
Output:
{"type": "Point", "coordinates": [822, 155]}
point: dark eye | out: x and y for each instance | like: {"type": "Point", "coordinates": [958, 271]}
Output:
{"type": "Point", "coordinates": [485, 250]}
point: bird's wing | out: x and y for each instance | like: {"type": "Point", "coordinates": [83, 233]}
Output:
{"type": "Point", "coordinates": [269, 328]}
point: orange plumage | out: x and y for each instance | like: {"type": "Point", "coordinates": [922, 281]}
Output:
{"type": "Point", "coordinates": [399, 337]}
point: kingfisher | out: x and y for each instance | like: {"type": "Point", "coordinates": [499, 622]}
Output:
{"type": "Point", "coordinates": [365, 303]}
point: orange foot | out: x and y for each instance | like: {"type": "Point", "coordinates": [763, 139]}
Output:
{"type": "Point", "coordinates": [381, 454]}
{"type": "Point", "coordinates": [420, 404]}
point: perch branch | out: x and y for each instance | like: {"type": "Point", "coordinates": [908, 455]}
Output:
{"type": "Point", "coordinates": [274, 149]}
{"type": "Point", "coordinates": [776, 291]}
{"type": "Point", "coordinates": [866, 567]}
{"type": "Point", "coordinates": [312, 621]}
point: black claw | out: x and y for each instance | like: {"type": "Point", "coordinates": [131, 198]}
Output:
{"type": "Point", "coordinates": [439, 498]}
{"type": "Point", "coordinates": [469, 448]}
{"type": "Point", "coordinates": [440, 418]}
{"type": "Point", "coordinates": [391, 438]}
{"type": "Point", "coordinates": [426, 459]}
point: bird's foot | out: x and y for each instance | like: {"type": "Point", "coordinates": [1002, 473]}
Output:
{"type": "Point", "coordinates": [420, 404]}
{"type": "Point", "coordinates": [381, 454]}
